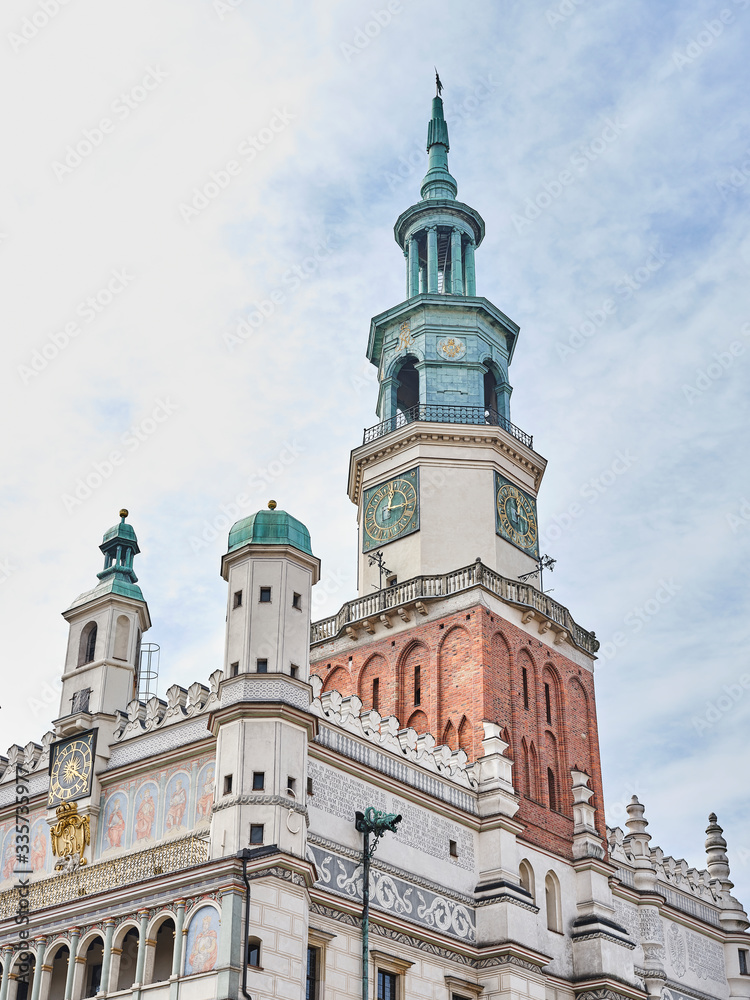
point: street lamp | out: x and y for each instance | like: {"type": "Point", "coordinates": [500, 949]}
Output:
{"type": "Point", "coordinates": [372, 823]}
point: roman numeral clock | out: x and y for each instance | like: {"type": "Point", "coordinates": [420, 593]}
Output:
{"type": "Point", "coordinates": [72, 768]}
{"type": "Point", "coordinates": [515, 516]}
{"type": "Point", "coordinates": [391, 510]}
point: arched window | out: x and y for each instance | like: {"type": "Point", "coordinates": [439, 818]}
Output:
{"type": "Point", "coordinates": [253, 952]}
{"type": "Point", "coordinates": [92, 975]}
{"type": "Point", "coordinates": [551, 789]}
{"type": "Point", "coordinates": [122, 635]}
{"type": "Point", "coordinates": [128, 960]}
{"type": "Point", "coordinates": [490, 397]}
{"type": "Point", "coordinates": [59, 973]}
{"type": "Point", "coordinates": [87, 648]}
{"type": "Point", "coordinates": [408, 386]}
{"type": "Point", "coordinates": [552, 899]}
{"type": "Point", "coordinates": [163, 952]}
{"type": "Point", "coordinates": [25, 971]}
{"type": "Point", "coordinates": [526, 878]}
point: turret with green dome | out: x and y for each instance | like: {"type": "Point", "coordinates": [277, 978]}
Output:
{"type": "Point", "coordinates": [270, 527]}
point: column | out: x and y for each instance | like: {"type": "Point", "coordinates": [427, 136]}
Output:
{"type": "Point", "coordinates": [7, 954]}
{"type": "Point", "coordinates": [75, 933]}
{"type": "Point", "coordinates": [413, 267]}
{"type": "Point", "coordinates": [422, 278]}
{"type": "Point", "coordinates": [39, 961]}
{"type": "Point", "coordinates": [470, 275]}
{"type": "Point", "coordinates": [432, 261]}
{"type": "Point", "coordinates": [456, 263]}
{"type": "Point", "coordinates": [406, 257]}
{"type": "Point", "coordinates": [179, 924]}
{"type": "Point", "coordinates": [143, 914]}
{"type": "Point", "coordinates": [109, 929]}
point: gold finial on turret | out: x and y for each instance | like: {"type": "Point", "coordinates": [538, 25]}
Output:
{"type": "Point", "coordinates": [272, 505]}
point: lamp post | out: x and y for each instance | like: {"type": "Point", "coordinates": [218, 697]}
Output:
{"type": "Point", "coordinates": [372, 822]}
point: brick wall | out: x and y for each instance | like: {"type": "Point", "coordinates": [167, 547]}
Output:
{"type": "Point", "coordinates": [475, 666]}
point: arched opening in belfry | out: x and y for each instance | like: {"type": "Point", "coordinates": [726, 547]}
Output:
{"type": "Point", "coordinates": [490, 396]}
{"type": "Point", "coordinates": [408, 386]}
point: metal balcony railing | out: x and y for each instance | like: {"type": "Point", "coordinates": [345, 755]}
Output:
{"type": "Point", "coordinates": [446, 414]}
{"type": "Point", "coordinates": [444, 584]}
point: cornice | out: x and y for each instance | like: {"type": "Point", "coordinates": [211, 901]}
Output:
{"type": "Point", "coordinates": [426, 432]}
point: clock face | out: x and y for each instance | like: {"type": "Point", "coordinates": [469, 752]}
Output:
{"type": "Point", "coordinates": [515, 517]}
{"type": "Point", "coordinates": [71, 768]}
{"type": "Point", "coordinates": [391, 510]}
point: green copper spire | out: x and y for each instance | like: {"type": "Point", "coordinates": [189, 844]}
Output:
{"type": "Point", "coordinates": [119, 546]}
{"type": "Point", "coordinates": [438, 181]}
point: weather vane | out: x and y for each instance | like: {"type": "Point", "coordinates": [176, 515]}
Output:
{"type": "Point", "coordinates": [438, 84]}
{"type": "Point", "coordinates": [542, 563]}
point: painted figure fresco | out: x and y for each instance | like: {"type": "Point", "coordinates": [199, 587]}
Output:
{"type": "Point", "coordinates": [145, 812]}
{"type": "Point", "coordinates": [38, 848]}
{"type": "Point", "coordinates": [114, 820]}
{"type": "Point", "coordinates": [9, 855]}
{"type": "Point", "coordinates": [177, 799]}
{"type": "Point", "coordinates": [202, 947]}
{"type": "Point", "coordinates": [205, 794]}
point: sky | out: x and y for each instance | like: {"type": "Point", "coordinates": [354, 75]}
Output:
{"type": "Point", "coordinates": [171, 168]}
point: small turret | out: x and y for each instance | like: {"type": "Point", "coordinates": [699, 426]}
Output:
{"type": "Point", "coordinates": [106, 625]}
{"type": "Point", "coordinates": [262, 725]}
{"type": "Point", "coordinates": [734, 917]}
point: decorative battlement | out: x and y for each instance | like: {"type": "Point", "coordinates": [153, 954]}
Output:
{"type": "Point", "coordinates": [672, 872]}
{"type": "Point", "coordinates": [387, 734]}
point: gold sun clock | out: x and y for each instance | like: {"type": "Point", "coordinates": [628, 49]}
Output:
{"type": "Point", "coordinates": [71, 769]}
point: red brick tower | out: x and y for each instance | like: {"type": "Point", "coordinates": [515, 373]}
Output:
{"type": "Point", "coordinates": [450, 630]}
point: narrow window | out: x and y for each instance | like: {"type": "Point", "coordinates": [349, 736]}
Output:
{"type": "Point", "coordinates": [253, 952]}
{"type": "Point", "coordinates": [417, 685]}
{"type": "Point", "coordinates": [376, 693]}
{"type": "Point", "coordinates": [87, 648]}
{"type": "Point", "coordinates": [297, 601]}
{"type": "Point", "coordinates": [551, 789]}
{"type": "Point", "coordinates": [548, 703]}
{"type": "Point", "coordinates": [291, 785]}
{"type": "Point", "coordinates": [525, 679]}
{"type": "Point", "coordinates": [387, 985]}
{"type": "Point", "coordinates": [227, 784]}
{"type": "Point", "coordinates": [526, 877]}
{"type": "Point", "coordinates": [453, 848]}
{"type": "Point", "coordinates": [259, 781]}
{"type": "Point", "coordinates": [237, 603]}
{"type": "Point", "coordinates": [294, 670]}
{"type": "Point", "coordinates": [742, 954]}
{"type": "Point", "coordinates": [312, 978]}
{"type": "Point", "coordinates": [309, 786]}
{"type": "Point", "coordinates": [256, 833]}
{"type": "Point", "coordinates": [265, 595]}
{"type": "Point", "coordinates": [552, 899]}
{"type": "Point", "coordinates": [261, 666]}
{"type": "Point", "coordinates": [234, 669]}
